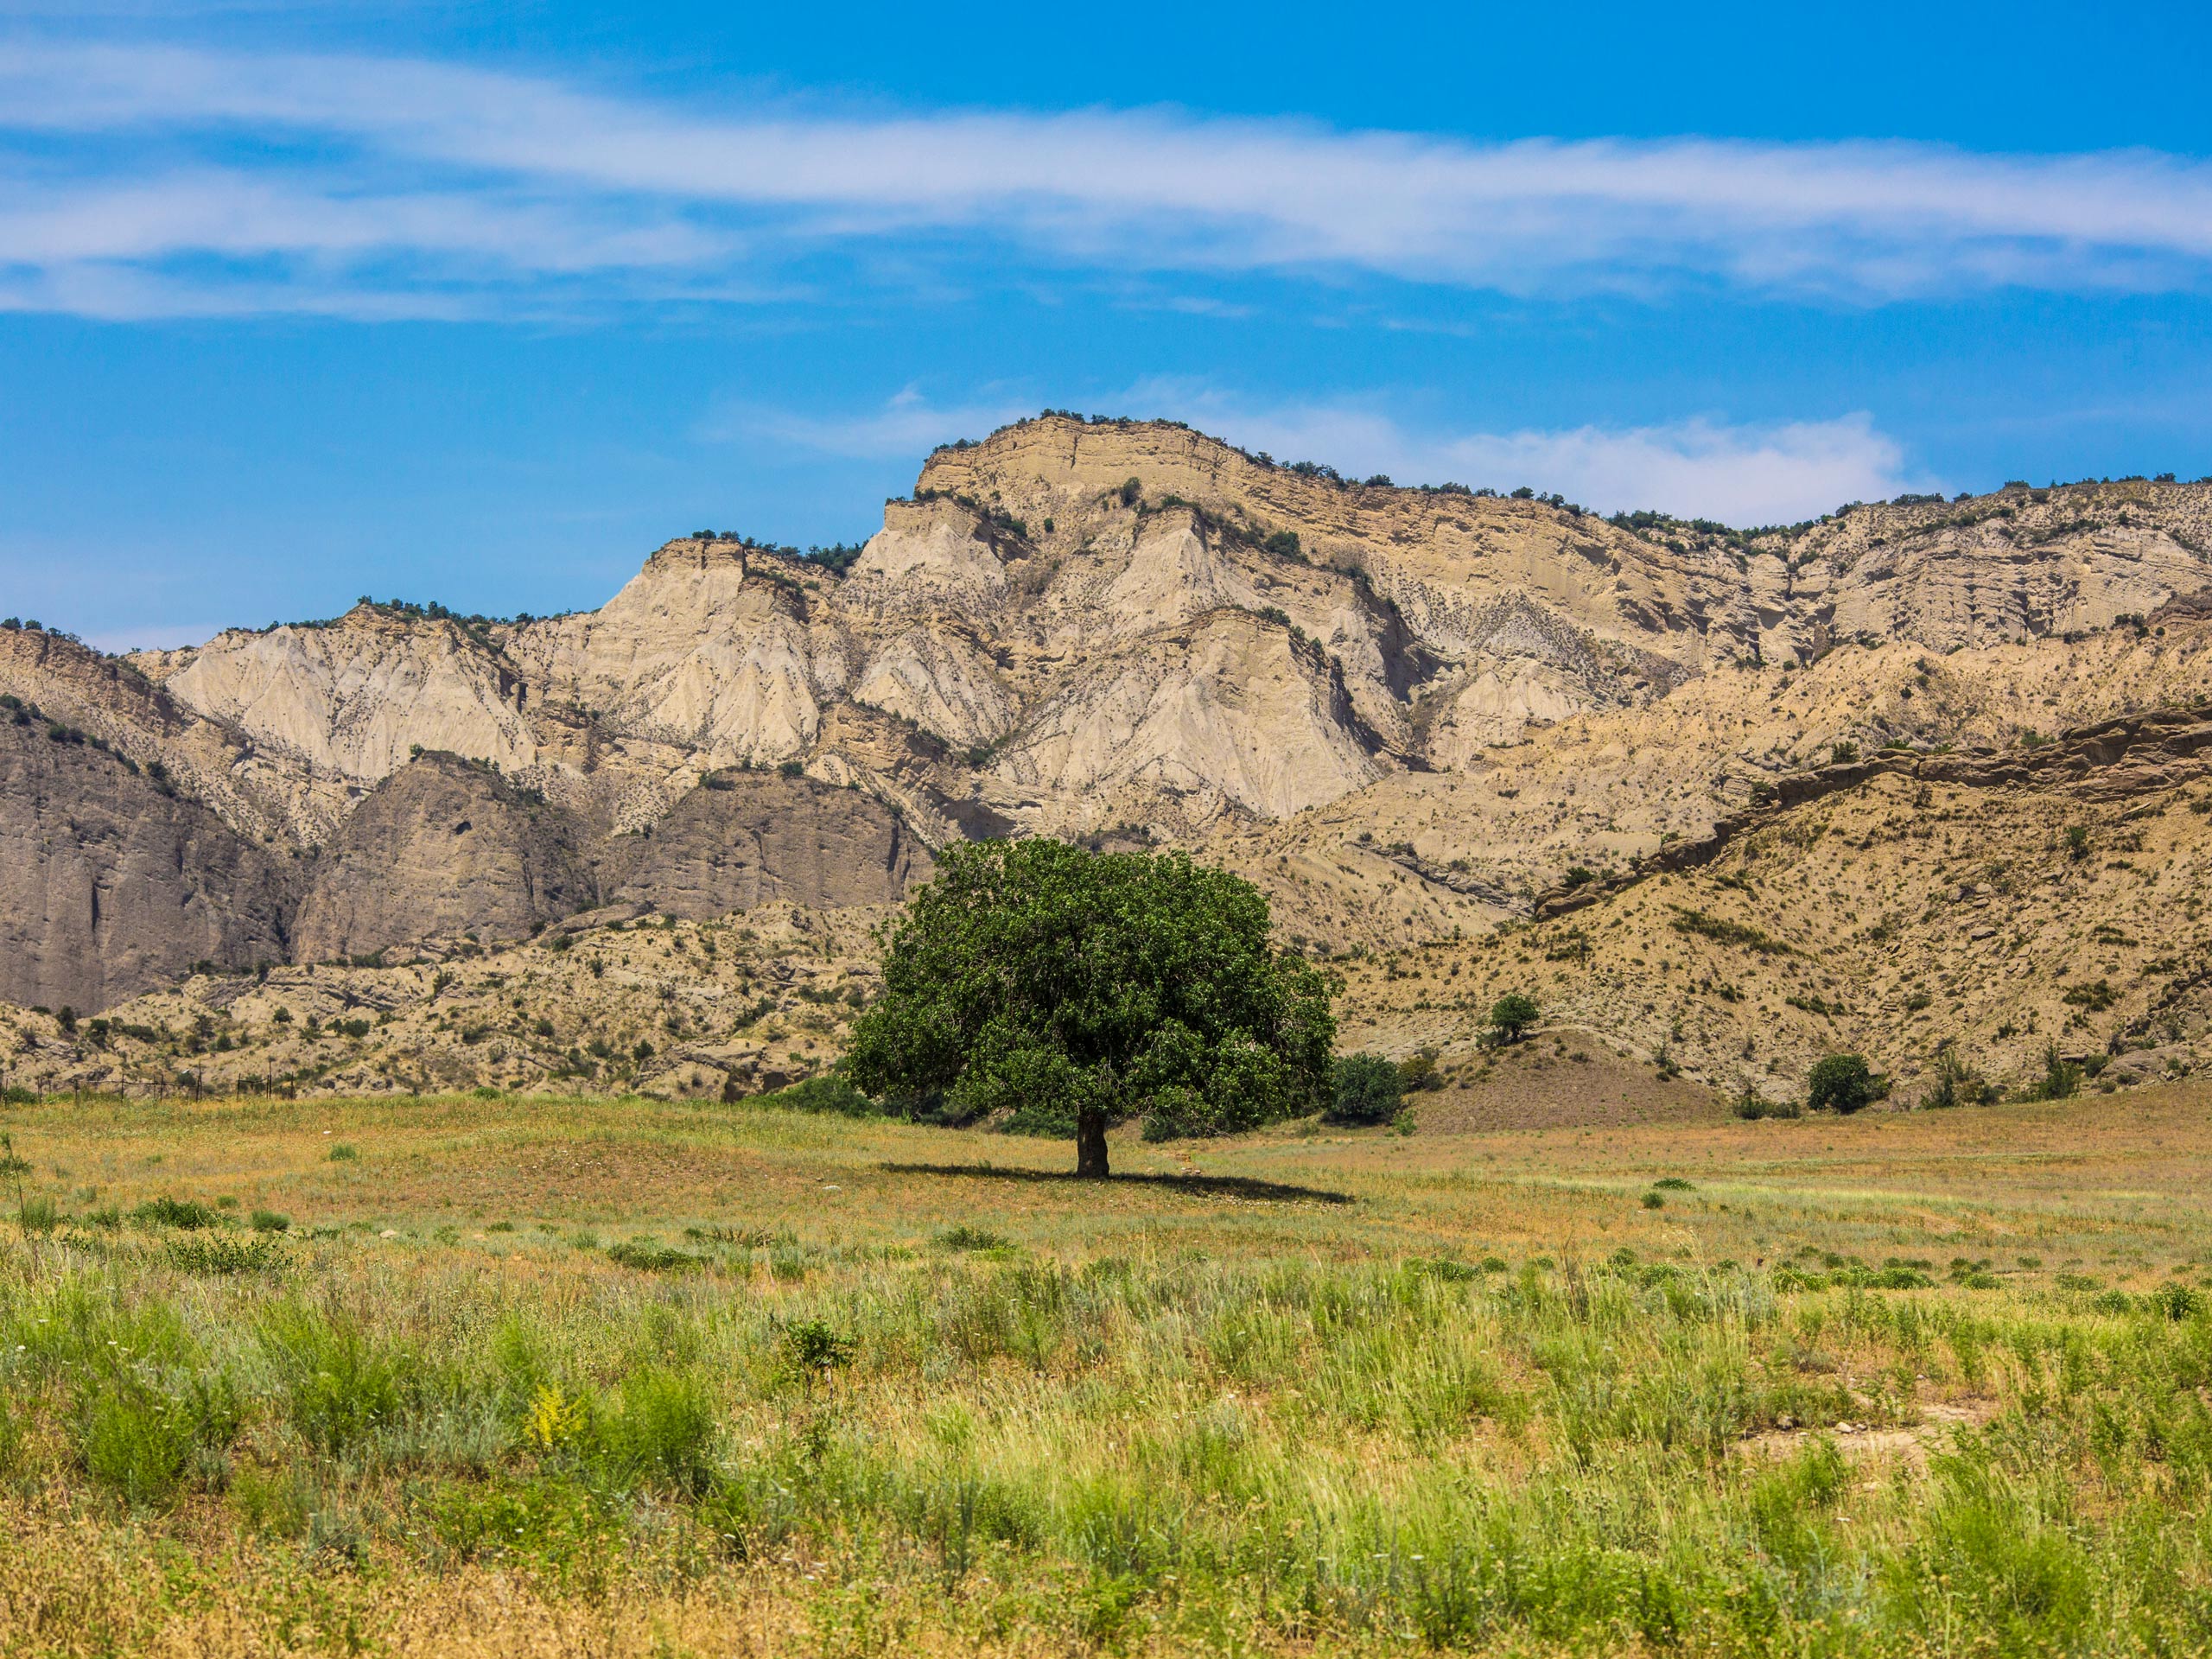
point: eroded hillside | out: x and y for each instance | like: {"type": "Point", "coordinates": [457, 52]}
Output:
{"type": "Point", "coordinates": [1415, 716]}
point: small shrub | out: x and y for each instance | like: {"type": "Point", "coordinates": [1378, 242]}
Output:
{"type": "Point", "coordinates": [133, 1441]}
{"type": "Point", "coordinates": [2177, 1302]}
{"type": "Point", "coordinates": [1901, 1278]}
{"type": "Point", "coordinates": [1956, 1084]}
{"type": "Point", "coordinates": [662, 1429]}
{"type": "Point", "coordinates": [829, 1093]}
{"type": "Point", "coordinates": [142, 1442]}
{"type": "Point", "coordinates": [1418, 1070]}
{"type": "Point", "coordinates": [1365, 1089]}
{"type": "Point", "coordinates": [964, 1238]}
{"type": "Point", "coordinates": [185, 1213]}
{"type": "Point", "coordinates": [343, 1153]}
{"type": "Point", "coordinates": [1752, 1106]}
{"type": "Point", "coordinates": [2061, 1079]}
{"type": "Point", "coordinates": [222, 1255]}
{"type": "Point", "coordinates": [648, 1255]}
{"type": "Point", "coordinates": [1451, 1273]}
{"type": "Point", "coordinates": [1843, 1083]}
{"type": "Point", "coordinates": [269, 1221]}
{"type": "Point", "coordinates": [339, 1387]}
{"type": "Point", "coordinates": [1654, 1201]}
{"type": "Point", "coordinates": [1511, 1015]}
{"type": "Point", "coordinates": [815, 1349]}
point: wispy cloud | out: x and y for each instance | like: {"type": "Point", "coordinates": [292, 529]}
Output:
{"type": "Point", "coordinates": [1739, 474]}
{"type": "Point", "coordinates": [346, 172]}
{"type": "Point", "coordinates": [1746, 474]}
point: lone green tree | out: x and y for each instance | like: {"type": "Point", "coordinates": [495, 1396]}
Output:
{"type": "Point", "coordinates": [1512, 1014]}
{"type": "Point", "coordinates": [1076, 990]}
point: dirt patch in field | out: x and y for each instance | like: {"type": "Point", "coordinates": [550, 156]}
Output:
{"type": "Point", "coordinates": [1548, 1084]}
{"type": "Point", "coordinates": [1912, 1445]}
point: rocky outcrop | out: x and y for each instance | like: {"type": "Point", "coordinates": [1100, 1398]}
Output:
{"type": "Point", "coordinates": [931, 552]}
{"type": "Point", "coordinates": [709, 649]}
{"type": "Point", "coordinates": [1232, 712]}
{"type": "Point", "coordinates": [2021, 564]}
{"type": "Point", "coordinates": [745, 838]}
{"type": "Point", "coordinates": [445, 848]}
{"type": "Point", "coordinates": [358, 696]}
{"type": "Point", "coordinates": [2115, 760]}
{"type": "Point", "coordinates": [113, 699]}
{"type": "Point", "coordinates": [1041, 608]}
{"type": "Point", "coordinates": [112, 884]}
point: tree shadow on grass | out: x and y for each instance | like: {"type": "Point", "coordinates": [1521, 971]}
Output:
{"type": "Point", "coordinates": [1204, 1187]}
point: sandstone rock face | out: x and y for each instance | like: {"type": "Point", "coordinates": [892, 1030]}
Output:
{"type": "Point", "coordinates": [1229, 713]}
{"type": "Point", "coordinates": [445, 848]}
{"type": "Point", "coordinates": [356, 696]}
{"type": "Point", "coordinates": [943, 682]}
{"type": "Point", "coordinates": [697, 651]}
{"type": "Point", "coordinates": [2021, 564]}
{"type": "Point", "coordinates": [113, 699]}
{"type": "Point", "coordinates": [1046, 639]}
{"type": "Point", "coordinates": [110, 887]}
{"type": "Point", "coordinates": [929, 551]}
{"type": "Point", "coordinates": [748, 838]}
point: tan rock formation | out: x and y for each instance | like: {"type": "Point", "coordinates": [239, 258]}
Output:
{"type": "Point", "coordinates": [356, 696]}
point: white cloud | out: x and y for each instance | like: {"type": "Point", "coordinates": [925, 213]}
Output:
{"type": "Point", "coordinates": [440, 173]}
{"type": "Point", "coordinates": [1739, 474]}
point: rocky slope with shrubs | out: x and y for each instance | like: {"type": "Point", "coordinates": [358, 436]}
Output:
{"type": "Point", "coordinates": [1421, 718]}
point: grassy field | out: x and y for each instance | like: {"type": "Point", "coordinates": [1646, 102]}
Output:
{"type": "Point", "coordinates": [628, 1377]}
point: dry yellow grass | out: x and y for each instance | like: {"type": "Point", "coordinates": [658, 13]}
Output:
{"type": "Point", "coordinates": [1257, 1395]}
{"type": "Point", "coordinates": [2100, 1180]}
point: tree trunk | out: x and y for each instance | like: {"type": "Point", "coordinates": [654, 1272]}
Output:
{"type": "Point", "coordinates": [1091, 1145]}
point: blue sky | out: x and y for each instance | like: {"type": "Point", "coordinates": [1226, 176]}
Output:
{"type": "Point", "coordinates": [480, 303]}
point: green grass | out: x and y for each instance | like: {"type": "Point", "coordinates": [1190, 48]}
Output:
{"type": "Point", "coordinates": [906, 1391]}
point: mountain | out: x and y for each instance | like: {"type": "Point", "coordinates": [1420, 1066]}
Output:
{"type": "Point", "coordinates": [1417, 717]}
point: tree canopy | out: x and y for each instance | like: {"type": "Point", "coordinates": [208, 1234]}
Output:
{"type": "Point", "coordinates": [1369, 1090]}
{"type": "Point", "coordinates": [1074, 990]}
{"type": "Point", "coordinates": [1512, 1014]}
{"type": "Point", "coordinates": [1843, 1083]}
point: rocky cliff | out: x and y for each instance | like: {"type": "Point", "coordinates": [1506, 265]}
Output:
{"type": "Point", "coordinates": [110, 882]}
{"type": "Point", "coordinates": [744, 839]}
{"type": "Point", "coordinates": [443, 848]}
{"type": "Point", "coordinates": [1079, 626]}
